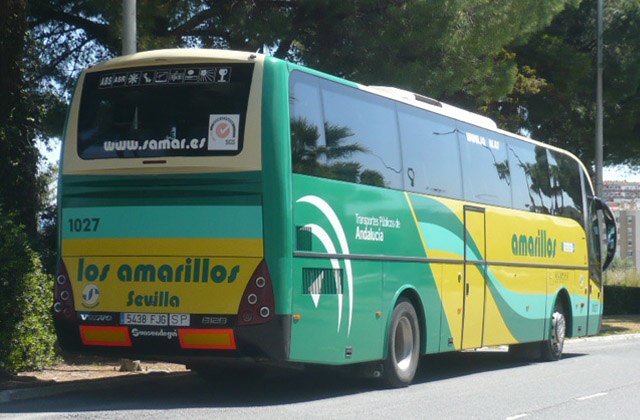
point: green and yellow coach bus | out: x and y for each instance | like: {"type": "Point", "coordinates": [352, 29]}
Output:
{"type": "Point", "coordinates": [220, 206]}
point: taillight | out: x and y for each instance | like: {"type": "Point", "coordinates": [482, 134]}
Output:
{"type": "Point", "coordinates": [257, 305]}
{"type": "Point", "coordinates": [63, 307]}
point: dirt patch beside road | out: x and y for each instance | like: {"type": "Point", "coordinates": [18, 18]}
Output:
{"type": "Point", "coordinates": [620, 324]}
{"type": "Point", "coordinates": [81, 368]}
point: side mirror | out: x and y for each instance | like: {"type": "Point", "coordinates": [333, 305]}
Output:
{"type": "Point", "coordinates": [610, 229]}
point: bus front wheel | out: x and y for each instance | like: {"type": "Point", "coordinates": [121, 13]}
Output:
{"type": "Point", "coordinates": [548, 350]}
{"type": "Point", "coordinates": [403, 346]}
{"type": "Point", "coordinates": [551, 349]}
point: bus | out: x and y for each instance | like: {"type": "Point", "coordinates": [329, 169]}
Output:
{"type": "Point", "coordinates": [218, 207]}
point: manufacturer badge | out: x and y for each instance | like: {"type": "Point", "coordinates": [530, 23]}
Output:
{"type": "Point", "coordinates": [90, 296]}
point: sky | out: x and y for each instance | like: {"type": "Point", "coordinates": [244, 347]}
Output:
{"type": "Point", "coordinates": [53, 155]}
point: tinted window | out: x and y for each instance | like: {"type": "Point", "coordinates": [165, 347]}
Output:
{"type": "Point", "coordinates": [308, 145]}
{"type": "Point", "coordinates": [196, 110]}
{"type": "Point", "coordinates": [358, 140]}
{"type": "Point", "coordinates": [594, 225]}
{"type": "Point", "coordinates": [362, 136]}
{"type": "Point", "coordinates": [486, 172]}
{"type": "Point", "coordinates": [430, 152]}
{"type": "Point", "coordinates": [530, 182]}
{"type": "Point", "coordinates": [566, 188]}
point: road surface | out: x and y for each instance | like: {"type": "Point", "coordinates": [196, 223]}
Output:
{"type": "Point", "coordinates": [597, 378]}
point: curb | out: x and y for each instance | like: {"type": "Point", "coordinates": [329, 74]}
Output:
{"type": "Point", "coordinates": [613, 337]}
{"type": "Point", "coordinates": [50, 390]}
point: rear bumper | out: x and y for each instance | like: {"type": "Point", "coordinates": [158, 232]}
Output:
{"type": "Point", "coordinates": [266, 341]}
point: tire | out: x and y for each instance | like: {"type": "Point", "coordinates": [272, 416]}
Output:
{"type": "Point", "coordinates": [403, 351]}
{"type": "Point", "coordinates": [551, 349]}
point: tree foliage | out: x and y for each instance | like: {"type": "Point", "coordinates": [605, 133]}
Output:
{"type": "Point", "coordinates": [19, 188]}
{"type": "Point", "coordinates": [529, 63]}
{"type": "Point", "coordinates": [26, 335]}
{"type": "Point", "coordinates": [440, 47]}
{"type": "Point", "coordinates": [556, 103]}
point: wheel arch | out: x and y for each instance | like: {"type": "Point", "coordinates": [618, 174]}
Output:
{"type": "Point", "coordinates": [564, 298]}
{"type": "Point", "coordinates": [410, 294]}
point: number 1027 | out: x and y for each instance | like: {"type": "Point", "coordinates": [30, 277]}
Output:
{"type": "Point", "coordinates": [84, 225]}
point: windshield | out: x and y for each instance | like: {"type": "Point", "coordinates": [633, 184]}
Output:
{"type": "Point", "coordinates": [187, 110]}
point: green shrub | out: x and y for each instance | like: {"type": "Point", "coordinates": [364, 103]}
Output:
{"type": "Point", "coordinates": [27, 337]}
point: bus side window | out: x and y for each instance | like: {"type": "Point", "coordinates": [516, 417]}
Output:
{"type": "Point", "coordinates": [485, 168]}
{"type": "Point", "coordinates": [307, 129]}
{"type": "Point", "coordinates": [362, 136]}
{"type": "Point", "coordinates": [339, 132]}
{"type": "Point", "coordinates": [430, 153]}
{"type": "Point", "coordinates": [566, 189]}
{"type": "Point", "coordinates": [529, 170]}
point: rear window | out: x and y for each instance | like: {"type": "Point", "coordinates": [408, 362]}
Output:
{"type": "Point", "coordinates": [194, 110]}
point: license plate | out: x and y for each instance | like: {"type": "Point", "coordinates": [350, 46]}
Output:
{"type": "Point", "coordinates": [179, 320]}
{"type": "Point", "coordinates": [144, 319]}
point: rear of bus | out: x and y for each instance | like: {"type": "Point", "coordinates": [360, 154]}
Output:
{"type": "Point", "coordinates": [162, 211]}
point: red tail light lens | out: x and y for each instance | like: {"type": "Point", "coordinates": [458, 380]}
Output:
{"type": "Point", "coordinates": [257, 305]}
{"type": "Point", "coordinates": [63, 307]}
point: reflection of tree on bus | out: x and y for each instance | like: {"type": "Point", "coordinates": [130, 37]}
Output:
{"type": "Point", "coordinates": [308, 156]}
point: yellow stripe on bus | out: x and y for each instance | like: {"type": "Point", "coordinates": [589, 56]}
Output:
{"type": "Point", "coordinates": [496, 331]}
{"type": "Point", "coordinates": [162, 246]}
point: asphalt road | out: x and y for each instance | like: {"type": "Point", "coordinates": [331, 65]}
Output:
{"type": "Point", "coordinates": [597, 378]}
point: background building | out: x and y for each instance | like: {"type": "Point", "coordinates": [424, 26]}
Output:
{"type": "Point", "coordinates": [628, 235]}
{"type": "Point", "coordinates": [624, 200]}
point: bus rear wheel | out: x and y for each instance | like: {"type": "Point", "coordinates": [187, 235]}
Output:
{"type": "Point", "coordinates": [403, 346]}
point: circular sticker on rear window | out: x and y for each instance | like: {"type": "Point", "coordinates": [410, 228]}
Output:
{"type": "Point", "coordinates": [223, 132]}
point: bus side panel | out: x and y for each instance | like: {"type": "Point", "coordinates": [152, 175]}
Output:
{"type": "Point", "coordinates": [441, 233]}
{"type": "Point", "coordinates": [327, 330]}
{"type": "Point", "coordinates": [595, 306]}
{"type": "Point", "coordinates": [518, 300]}
{"type": "Point", "coordinates": [516, 305]}
{"type": "Point", "coordinates": [452, 292]}
{"type": "Point", "coordinates": [426, 280]}
{"type": "Point", "coordinates": [575, 283]}
{"type": "Point", "coordinates": [537, 254]}
{"type": "Point", "coordinates": [350, 240]}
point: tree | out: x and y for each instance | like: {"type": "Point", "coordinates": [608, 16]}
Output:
{"type": "Point", "coordinates": [26, 293]}
{"type": "Point", "coordinates": [444, 48]}
{"type": "Point", "coordinates": [556, 103]}
{"type": "Point", "coordinates": [19, 188]}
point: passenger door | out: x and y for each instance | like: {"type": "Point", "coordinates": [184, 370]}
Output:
{"type": "Point", "coordinates": [475, 268]}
